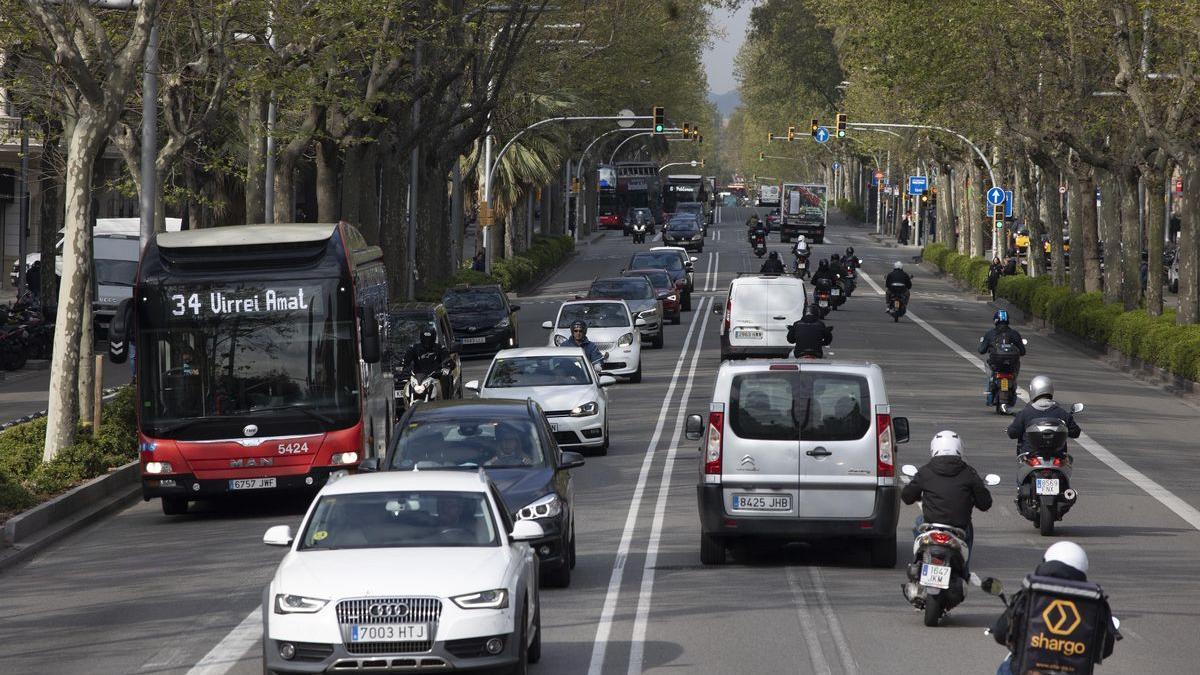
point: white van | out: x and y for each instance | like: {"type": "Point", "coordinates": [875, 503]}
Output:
{"type": "Point", "coordinates": [104, 226]}
{"type": "Point", "coordinates": [758, 311]}
{"type": "Point", "coordinates": [798, 451]}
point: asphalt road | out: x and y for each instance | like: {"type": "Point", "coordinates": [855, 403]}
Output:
{"type": "Point", "coordinates": [26, 391]}
{"type": "Point", "coordinates": [142, 593]}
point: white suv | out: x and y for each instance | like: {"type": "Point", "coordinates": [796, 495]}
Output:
{"type": "Point", "coordinates": [798, 451]}
{"type": "Point", "coordinates": [403, 570]}
{"type": "Point", "coordinates": [758, 311]}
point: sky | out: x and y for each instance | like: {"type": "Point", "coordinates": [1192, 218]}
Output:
{"type": "Point", "coordinates": [718, 59]}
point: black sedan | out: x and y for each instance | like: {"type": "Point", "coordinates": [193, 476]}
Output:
{"type": "Point", "coordinates": [513, 443]}
{"type": "Point", "coordinates": [483, 321]}
{"type": "Point", "coordinates": [684, 230]}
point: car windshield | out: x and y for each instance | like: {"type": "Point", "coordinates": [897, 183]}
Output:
{"type": "Point", "coordinates": [472, 300]}
{"type": "Point", "coordinates": [538, 371]}
{"type": "Point", "coordinates": [595, 314]}
{"type": "Point", "coordinates": [791, 405]}
{"type": "Point", "coordinates": [400, 519]}
{"type": "Point", "coordinates": [626, 289]}
{"type": "Point", "coordinates": [661, 280]}
{"type": "Point", "coordinates": [682, 225]}
{"type": "Point", "coordinates": [468, 442]}
{"type": "Point", "coordinates": [116, 272]}
{"type": "Point", "coordinates": [660, 259]}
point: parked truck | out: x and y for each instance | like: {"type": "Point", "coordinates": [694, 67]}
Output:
{"type": "Point", "coordinates": [768, 195]}
{"type": "Point", "coordinates": [803, 211]}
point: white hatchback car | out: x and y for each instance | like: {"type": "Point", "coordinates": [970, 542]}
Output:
{"type": "Point", "coordinates": [611, 328]}
{"type": "Point", "coordinates": [563, 383]}
{"type": "Point", "coordinates": [403, 570]}
{"type": "Point", "coordinates": [758, 311]}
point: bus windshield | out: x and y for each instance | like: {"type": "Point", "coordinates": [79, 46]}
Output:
{"type": "Point", "coordinates": [226, 353]}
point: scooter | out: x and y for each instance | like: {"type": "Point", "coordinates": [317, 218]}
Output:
{"type": "Point", "coordinates": [760, 245]}
{"type": "Point", "coordinates": [639, 233]}
{"type": "Point", "coordinates": [937, 578]}
{"type": "Point", "coordinates": [850, 281]}
{"type": "Point", "coordinates": [421, 388]}
{"type": "Point", "coordinates": [897, 301]}
{"type": "Point", "coordinates": [822, 297]}
{"type": "Point", "coordinates": [1044, 493]}
{"type": "Point", "coordinates": [801, 266]}
{"type": "Point", "coordinates": [837, 295]}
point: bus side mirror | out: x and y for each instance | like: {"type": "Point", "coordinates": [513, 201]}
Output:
{"type": "Point", "coordinates": [118, 332]}
{"type": "Point", "coordinates": [370, 337]}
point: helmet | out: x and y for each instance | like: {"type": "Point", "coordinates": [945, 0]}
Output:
{"type": "Point", "coordinates": [428, 338]}
{"type": "Point", "coordinates": [801, 240]}
{"type": "Point", "coordinates": [897, 265]}
{"type": "Point", "coordinates": [579, 325]}
{"type": "Point", "coordinates": [774, 255]}
{"type": "Point", "coordinates": [1000, 317]}
{"type": "Point", "coordinates": [824, 264]}
{"type": "Point", "coordinates": [849, 250]}
{"type": "Point", "coordinates": [1068, 553]}
{"type": "Point", "coordinates": [945, 443]}
{"type": "Point", "coordinates": [1040, 387]}
{"type": "Point", "coordinates": [835, 257]}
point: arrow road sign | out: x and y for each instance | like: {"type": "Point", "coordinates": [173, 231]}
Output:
{"type": "Point", "coordinates": [836, 165]}
{"type": "Point", "coordinates": [995, 196]}
{"type": "Point", "coordinates": [917, 184]}
{"type": "Point", "coordinates": [822, 134]}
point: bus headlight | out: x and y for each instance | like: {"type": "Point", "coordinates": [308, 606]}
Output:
{"type": "Point", "coordinates": [158, 467]}
{"type": "Point", "coordinates": [345, 458]}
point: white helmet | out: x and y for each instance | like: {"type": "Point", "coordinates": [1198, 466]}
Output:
{"type": "Point", "coordinates": [897, 265]}
{"type": "Point", "coordinates": [946, 443]}
{"type": "Point", "coordinates": [801, 240]}
{"type": "Point", "coordinates": [1068, 553]}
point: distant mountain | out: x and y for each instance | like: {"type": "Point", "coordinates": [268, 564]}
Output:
{"type": "Point", "coordinates": [726, 103]}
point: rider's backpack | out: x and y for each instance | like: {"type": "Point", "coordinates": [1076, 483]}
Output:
{"type": "Point", "coordinates": [1004, 344]}
{"type": "Point", "coordinates": [1058, 626]}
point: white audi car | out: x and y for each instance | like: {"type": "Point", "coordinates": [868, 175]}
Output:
{"type": "Point", "coordinates": [611, 327]}
{"type": "Point", "coordinates": [404, 570]}
{"type": "Point", "coordinates": [570, 393]}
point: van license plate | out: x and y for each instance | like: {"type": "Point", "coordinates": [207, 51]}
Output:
{"type": "Point", "coordinates": [768, 502]}
{"type": "Point", "coordinates": [937, 576]}
{"type": "Point", "coordinates": [251, 483]}
{"type": "Point", "coordinates": [749, 334]}
{"type": "Point", "coordinates": [1047, 486]}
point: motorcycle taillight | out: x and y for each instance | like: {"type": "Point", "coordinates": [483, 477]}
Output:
{"type": "Point", "coordinates": [1058, 461]}
{"type": "Point", "coordinates": [939, 537]}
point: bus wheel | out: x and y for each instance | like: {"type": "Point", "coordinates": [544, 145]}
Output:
{"type": "Point", "coordinates": [174, 506]}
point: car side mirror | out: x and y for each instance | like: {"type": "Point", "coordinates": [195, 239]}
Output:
{"type": "Point", "coordinates": [693, 427]}
{"type": "Point", "coordinates": [908, 470]}
{"type": "Point", "coordinates": [992, 586]}
{"type": "Point", "coordinates": [369, 465]}
{"type": "Point", "coordinates": [514, 308]}
{"type": "Point", "coordinates": [607, 380]}
{"type": "Point", "coordinates": [370, 337]}
{"type": "Point", "coordinates": [473, 385]}
{"type": "Point", "coordinates": [692, 259]}
{"type": "Point", "coordinates": [548, 325]}
{"type": "Point", "coordinates": [118, 332]}
{"type": "Point", "coordinates": [279, 535]}
{"type": "Point", "coordinates": [526, 530]}
{"type": "Point", "coordinates": [900, 429]}
{"type": "Point", "coordinates": [991, 479]}
{"type": "Point", "coordinates": [571, 460]}
{"type": "Point", "coordinates": [639, 322]}
{"type": "Point", "coordinates": [1077, 408]}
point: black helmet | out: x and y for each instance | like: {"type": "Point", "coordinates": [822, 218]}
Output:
{"type": "Point", "coordinates": [835, 257]}
{"type": "Point", "coordinates": [579, 325]}
{"type": "Point", "coordinates": [428, 337]}
{"type": "Point", "coordinates": [823, 265]}
{"type": "Point", "coordinates": [773, 255]}
{"type": "Point", "coordinates": [849, 251]}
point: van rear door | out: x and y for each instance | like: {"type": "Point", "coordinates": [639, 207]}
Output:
{"type": "Point", "coordinates": [837, 443]}
{"type": "Point", "coordinates": [787, 300]}
{"type": "Point", "coordinates": [760, 456]}
{"type": "Point", "coordinates": [750, 314]}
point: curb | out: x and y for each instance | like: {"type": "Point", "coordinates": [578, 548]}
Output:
{"type": "Point", "coordinates": [30, 532]}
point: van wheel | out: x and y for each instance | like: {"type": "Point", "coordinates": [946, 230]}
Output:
{"type": "Point", "coordinates": [712, 550]}
{"type": "Point", "coordinates": [883, 551]}
{"type": "Point", "coordinates": [174, 506]}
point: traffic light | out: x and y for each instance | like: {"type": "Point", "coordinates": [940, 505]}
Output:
{"type": "Point", "coordinates": [687, 129]}
{"type": "Point", "coordinates": [998, 215]}
{"type": "Point", "coordinates": [659, 119]}
{"type": "Point", "coordinates": [791, 134]}
{"type": "Point", "coordinates": [696, 132]}
{"type": "Point", "coordinates": [816, 124]}
{"type": "Point", "coordinates": [770, 137]}
{"type": "Point", "coordinates": [841, 125]}
{"type": "Point", "coordinates": [761, 156]}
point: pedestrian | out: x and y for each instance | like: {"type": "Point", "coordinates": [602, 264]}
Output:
{"type": "Point", "coordinates": [479, 263]}
{"type": "Point", "coordinates": [904, 228]}
{"type": "Point", "coordinates": [33, 279]}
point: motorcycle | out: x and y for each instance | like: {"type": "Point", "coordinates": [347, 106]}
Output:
{"type": "Point", "coordinates": [639, 233]}
{"type": "Point", "coordinates": [937, 577]}
{"type": "Point", "coordinates": [419, 388]}
{"type": "Point", "coordinates": [837, 295]}
{"type": "Point", "coordinates": [850, 281]}
{"type": "Point", "coordinates": [897, 301]}
{"type": "Point", "coordinates": [760, 245]}
{"type": "Point", "coordinates": [801, 264]}
{"type": "Point", "coordinates": [1002, 385]}
{"type": "Point", "coordinates": [822, 297]}
{"type": "Point", "coordinates": [1044, 493]}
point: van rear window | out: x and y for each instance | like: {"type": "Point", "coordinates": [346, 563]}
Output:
{"type": "Point", "coordinates": [797, 405]}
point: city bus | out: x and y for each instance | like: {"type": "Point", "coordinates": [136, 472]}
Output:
{"type": "Point", "coordinates": [608, 207]}
{"type": "Point", "coordinates": [257, 358]}
{"type": "Point", "coordinates": [638, 187]}
{"type": "Point", "coordinates": [686, 188]}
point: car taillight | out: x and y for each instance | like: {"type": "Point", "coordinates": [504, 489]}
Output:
{"type": "Point", "coordinates": [886, 463]}
{"type": "Point", "coordinates": [939, 537]}
{"type": "Point", "coordinates": [712, 446]}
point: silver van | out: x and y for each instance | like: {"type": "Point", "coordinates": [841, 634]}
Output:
{"type": "Point", "coordinates": [798, 451]}
{"type": "Point", "coordinates": [115, 257]}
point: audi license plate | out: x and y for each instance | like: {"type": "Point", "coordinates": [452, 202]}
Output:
{"type": "Point", "coordinates": [749, 334]}
{"type": "Point", "coordinates": [937, 576]}
{"type": "Point", "coordinates": [390, 632]}
{"type": "Point", "coordinates": [251, 483]}
{"type": "Point", "coordinates": [474, 341]}
{"type": "Point", "coordinates": [766, 502]}
{"type": "Point", "coordinates": [1047, 486]}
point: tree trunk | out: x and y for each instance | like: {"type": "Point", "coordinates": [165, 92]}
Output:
{"type": "Point", "coordinates": [285, 184]}
{"type": "Point", "coordinates": [1031, 211]}
{"type": "Point", "coordinates": [87, 361]}
{"type": "Point", "coordinates": [1075, 219]}
{"type": "Point", "coordinates": [50, 213]}
{"type": "Point", "coordinates": [435, 259]}
{"type": "Point", "coordinates": [1189, 245]}
{"type": "Point", "coordinates": [975, 221]}
{"type": "Point", "coordinates": [1091, 242]}
{"type": "Point", "coordinates": [251, 118]}
{"type": "Point", "coordinates": [1156, 209]}
{"type": "Point", "coordinates": [328, 209]}
{"type": "Point", "coordinates": [1131, 242]}
{"type": "Point", "coordinates": [1053, 217]}
{"type": "Point", "coordinates": [945, 208]}
{"type": "Point", "coordinates": [62, 412]}
{"type": "Point", "coordinates": [1110, 231]}
{"type": "Point", "coordinates": [361, 200]}
{"type": "Point", "coordinates": [393, 229]}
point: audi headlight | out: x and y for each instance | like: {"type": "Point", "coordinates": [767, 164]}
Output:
{"type": "Point", "coordinates": [545, 507]}
{"type": "Point", "coordinates": [672, 298]}
{"type": "Point", "coordinates": [559, 340]}
{"type": "Point", "coordinates": [649, 313]}
{"type": "Point", "coordinates": [503, 323]}
{"type": "Point", "coordinates": [589, 408]}
{"type": "Point", "coordinates": [286, 603]}
{"type": "Point", "coordinates": [493, 599]}
{"type": "Point", "coordinates": [625, 340]}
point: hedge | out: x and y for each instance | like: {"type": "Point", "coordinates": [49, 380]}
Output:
{"type": "Point", "coordinates": [1153, 339]}
{"type": "Point", "coordinates": [25, 480]}
{"type": "Point", "coordinates": [851, 209]}
{"type": "Point", "coordinates": [511, 273]}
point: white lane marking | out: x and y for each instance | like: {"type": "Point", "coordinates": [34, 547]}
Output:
{"type": "Point", "coordinates": [232, 647]}
{"type": "Point", "coordinates": [637, 646]}
{"type": "Point", "coordinates": [808, 627]}
{"type": "Point", "coordinates": [604, 625]}
{"type": "Point", "coordinates": [835, 626]}
{"type": "Point", "coordinates": [716, 271]}
{"type": "Point", "coordinates": [1179, 507]}
{"type": "Point", "coordinates": [708, 271]}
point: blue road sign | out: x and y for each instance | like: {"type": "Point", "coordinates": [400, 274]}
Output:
{"type": "Point", "coordinates": [995, 196]}
{"type": "Point", "coordinates": [822, 134]}
{"type": "Point", "coordinates": [1008, 203]}
{"type": "Point", "coordinates": [836, 165]}
{"type": "Point", "coordinates": [917, 184]}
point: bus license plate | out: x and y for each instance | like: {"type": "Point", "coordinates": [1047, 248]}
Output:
{"type": "Point", "coordinates": [1047, 486]}
{"type": "Point", "coordinates": [390, 632]}
{"type": "Point", "coordinates": [937, 576]}
{"type": "Point", "coordinates": [251, 483]}
{"type": "Point", "coordinates": [762, 502]}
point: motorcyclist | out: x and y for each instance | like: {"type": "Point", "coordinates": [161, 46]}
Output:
{"type": "Point", "coordinates": [850, 260]}
{"type": "Point", "coordinates": [1041, 406]}
{"type": "Point", "coordinates": [947, 487]}
{"type": "Point", "coordinates": [809, 334]}
{"type": "Point", "coordinates": [1063, 560]}
{"type": "Point", "coordinates": [579, 339]}
{"type": "Point", "coordinates": [426, 356]}
{"type": "Point", "coordinates": [772, 265]}
{"type": "Point", "coordinates": [801, 247]}
{"type": "Point", "coordinates": [897, 276]}
{"type": "Point", "coordinates": [756, 227]}
{"type": "Point", "coordinates": [998, 344]}
{"type": "Point", "coordinates": [837, 266]}
{"type": "Point", "coordinates": [824, 272]}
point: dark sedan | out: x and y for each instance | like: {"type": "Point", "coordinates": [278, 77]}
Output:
{"type": "Point", "coordinates": [483, 321]}
{"type": "Point", "coordinates": [513, 443]}
{"type": "Point", "coordinates": [684, 230]}
{"type": "Point", "coordinates": [665, 289]}
{"type": "Point", "coordinates": [675, 263]}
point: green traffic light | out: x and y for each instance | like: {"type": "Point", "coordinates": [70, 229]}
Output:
{"type": "Point", "coordinates": [658, 128]}
{"type": "Point", "coordinates": [841, 133]}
